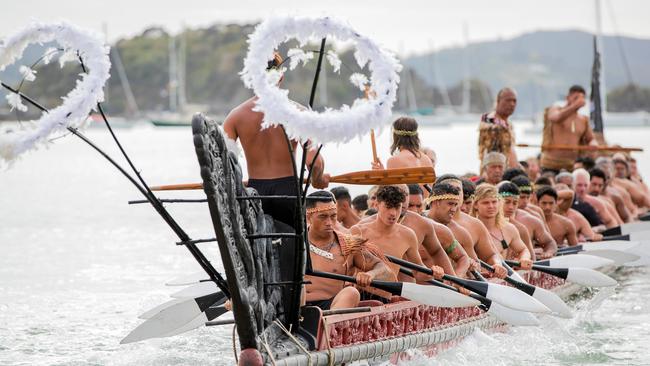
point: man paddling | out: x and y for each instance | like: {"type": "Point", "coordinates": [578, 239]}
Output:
{"type": "Point", "coordinates": [583, 229]}
{"type": "Point", "coordinates": [268, 161]}
{"type": "Point", "coordinates": [478, 234]}
{"type": "Point", "coordinates": [581, 188]}
{"type": "Point", "coordinates": [331, 251]}
{"type": "Point", "coordinates": [345, 213]}
{"type": "Point", "coordinates": [564, 126]}
{"type": "Point", "coordinates": [504, 235]}
{"type": "Point", "coordinates": [390, 236]}
{"type": "Point", "coordinates": [542, 244]}
{"type": "Point", "coordinates": [562, 228]}
{"type": "Point", "coordinates": [597, 186]}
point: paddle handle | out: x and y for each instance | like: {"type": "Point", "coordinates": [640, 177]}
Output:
{"type": "Point", "coordinates": [375, 158]}
{"type": "Point", "coordinates": [553, 271]}
{"type": "Point", "coordinates": [394, 288]}
{"type": "Point", "coordinates": [409, 265]}
{"type": "Point", "coordinates": [583, 147]}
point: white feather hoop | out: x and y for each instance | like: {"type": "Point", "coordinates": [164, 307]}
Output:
{"type": "Point", "coordinates": [79, 101]}
{"type": "Point", "coordinates": [339, 125]}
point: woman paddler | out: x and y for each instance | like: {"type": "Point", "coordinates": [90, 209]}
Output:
{"type": "Point", "coordinates": [334, 252]}
{"type": "Point", "coordinates": [504, 235]}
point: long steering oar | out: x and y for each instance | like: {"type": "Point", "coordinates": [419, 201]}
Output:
{"type": "Point", "coordinates": [582, 276]}
{"type": "Point", "coordinates": [506, 296]}
{"type": "Point", "coordinates": [504, 314]}
{"type": "Point", "coordinates": [546, 297]}
{"type": "Point", "coordinates": [173, 317]}
{"type": "Point", "coordinates": [427, 295]}
{"type": "Point", "coordinates": [364, 177]}
{"type": "Point", "coordinates": [186, 280]}
{"type": "Point", "coordinates": [576, 260]}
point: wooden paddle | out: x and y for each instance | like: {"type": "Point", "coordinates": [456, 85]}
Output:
{"type": "Point", "coordinates": [363, 177]}
{"type": "Point", "coordinates": [582, 147]}
{"type": "Point", "coordinates": [375, 158]}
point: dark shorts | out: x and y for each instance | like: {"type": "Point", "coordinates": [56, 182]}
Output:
{"type": "Point", "coordinates": [322, 304]}
{"type": "Point", "coordinates": [280, 209]}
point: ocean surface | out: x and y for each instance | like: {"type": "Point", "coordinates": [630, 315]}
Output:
{"type": "Point", "coordinates": [78, 264]}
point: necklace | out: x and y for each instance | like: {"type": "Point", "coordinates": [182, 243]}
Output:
{"type": "Point", "coordinates": [502, 240]}
{"type": "Point", "coordinates": [325, 253]}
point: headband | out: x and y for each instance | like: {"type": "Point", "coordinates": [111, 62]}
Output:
{"type": "Point", "coordinates": [329, 206]}
{"type": "Point", "coordinates": [508, 194]}
{"type": "Point", "coordinates": [443, 197]}
{"type": "Point", "coordinates": [405, 132]}
{"type": "Point", "coordinates": [526, 189]}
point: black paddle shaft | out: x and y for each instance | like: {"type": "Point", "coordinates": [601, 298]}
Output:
{"type": "Point", "coordinates": [527, 288]}
{"type": "Point", "coordinates": [394, 288]}
{"type": "Point", "coordinates": [557, 272]}
{"type": "Point", "coordinates": [485, 302]}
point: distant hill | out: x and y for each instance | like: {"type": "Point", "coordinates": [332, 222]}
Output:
{"type": "Point", "coordinates": [540, 65]}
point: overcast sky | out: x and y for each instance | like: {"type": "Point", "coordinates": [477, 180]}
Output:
{"type": "Point", "coordinates": [403, 26]}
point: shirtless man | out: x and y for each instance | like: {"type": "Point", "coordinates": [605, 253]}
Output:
{"type": "Point", "coordinates": [529, 227]}
{"type": "Point", "coordinates": [269, 164]}
{"type": "Point", "coordinates": [561, 227]}
{"type": "Point", "coordinates": [504, 235]}
{"type": "Point", "coordinates": [581, 186]}
{"type": "Point", "coordinates": [498, 119]}
{"type": "Point", "coordinates": [344, 211]}
{"type": "Point", "coordinates": [564, 126]}
{"type": "Point", "coordinates": [621, 180]}
{"type": "Point", "coordinates": [525, 191]}
{"type": "Point", "coordinates": [583, 229]}
{"type": "Point", "coordinates": [606, 165]}
{"type": "Point", "coordinates": [468, 195]}
{"type": "Point", "coordinates": [334, 252]}
{"type": "Point", "coordinates": [444, 204]}
{"type": "Point", "coordinates": [416, 199]}
{"type": "Point", "coordinates": [391, 236]}
{"type": "Point", "coordinates": [493, 166]}
{"type": "Point", "coordinates": [597, 185]}
{"type": "Point", "coordinates": [481, 246]}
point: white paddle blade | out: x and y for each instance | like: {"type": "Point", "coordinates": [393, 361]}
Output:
{"type": "Point", "coordinates": [193, 324]}
{"type": "Point", "coordinates": [517, 277]}
{"type": "Point", "coordinates": [633, 227]}
{"type": "Point", "coordinates": [151, 312]}
{"type": "Point", "coordinates": [590, 278]}
{"type": "Point", "coordinates": [640, 235]}
{"type": "Point", "coordinates": [515, 299]}
{"type": "Point", "coordinates": [198, 290]}
{"type": "Point", "coordinates": [553, 302]}
{"type": "Point", "coordinates": [619, 258]}
{"type": "Point", "coordinates": [580, 260]}
{"type": "Point", "coordinates": [643, 251]}
{"type": "Point", "coordinates": [436, 296]}
{"type": "Point", "coordinates": [165, 321]}
{"type": "Point", "coordinates": [512, 317]}
{"type": "Point", "coordinates": [621, 245]}
{"type": "Point", "coordinates": [188, 279]}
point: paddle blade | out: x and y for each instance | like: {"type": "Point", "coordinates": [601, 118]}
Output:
{"type": "Point", "coordinates": [643, 251]}
{"type": "Point", "coordinates": [553, 302]}
{"type": "Point", "coordinates": [619, 258]}
{"type": "Point", "coordinates": [514, 299]}
{"type": "Point", "coordinates": [577, 260]}
{"type": "Point", "coordinates": [198, 321]}
{"type": "Point", "coordinates": [512, 317]}
{"type": "Point", "coordinates": [151, 312]}
{"type": "Point", "coordinates": [633, 227]}
{"type": "Point", "coordinates": [620, 245]}
{"type": "Point", "coordinates": [188, 279]}
{"type": "Point", "coordinates": [640, 235]}
{"type": "Point", "coordinates": [590, 278]}
{"type": "Point", "coordinates": [200, 289]}
{"type": "Point", "coordinates": [436, 296]}
{"type": "Point", "coordinates": [172, 318]}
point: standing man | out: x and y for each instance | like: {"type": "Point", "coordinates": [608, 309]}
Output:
{"type": "Point", "coordinates": [564, 126]}
{"type": "Point", "coordinates": [268, 161]}
{"type": "Point", "coordinates": [495, 130]}
{"type": "Point", "coordinates": [561, 228]}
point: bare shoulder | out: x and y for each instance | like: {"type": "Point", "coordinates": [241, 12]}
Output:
{"type": "Point", "coordinates": [407, 232]}
{"type": "Point", "coordinates": [565, 221]}
{"type": "Point", "coordinates": [510, 228]}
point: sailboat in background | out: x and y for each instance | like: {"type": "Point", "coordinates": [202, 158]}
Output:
{"type": "Point", "coordinates": [180, 112]}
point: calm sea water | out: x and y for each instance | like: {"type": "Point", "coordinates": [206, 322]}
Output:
{"type": "Point", "coordinates": [78, 264]}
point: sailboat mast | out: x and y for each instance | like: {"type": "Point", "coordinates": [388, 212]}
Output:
{"type": "Point", "coordinates": [173, 82]}
{"type": "Point", "coordinates": [601, 49]}
{"type": "Point", "coordinates": [466, 78]}
{"type": "Point", "coordinates": [182, 68]}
